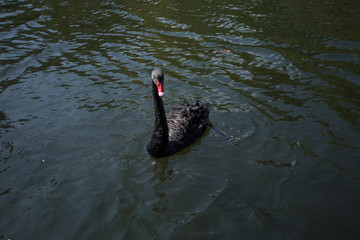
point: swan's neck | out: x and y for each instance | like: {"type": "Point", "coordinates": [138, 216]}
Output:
{"type": "Point", "coordinates": [160, 137]}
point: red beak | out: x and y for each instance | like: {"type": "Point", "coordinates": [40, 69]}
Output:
{"type": "Point", "coordinates": [160, 88]}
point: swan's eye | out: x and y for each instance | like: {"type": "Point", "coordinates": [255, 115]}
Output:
{"type": "Point", "coordinates": [158, 80]}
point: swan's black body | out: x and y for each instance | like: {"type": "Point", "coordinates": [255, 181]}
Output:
{"type": "Point", "coordinates": [180, 128]}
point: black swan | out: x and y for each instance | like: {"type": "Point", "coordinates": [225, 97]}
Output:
{"type": "Point", "coordinates": [181, 127]}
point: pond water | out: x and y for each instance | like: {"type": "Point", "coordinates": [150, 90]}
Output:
{"type": "Point", "coordinates": [76, 113]}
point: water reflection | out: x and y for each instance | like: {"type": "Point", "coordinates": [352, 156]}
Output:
{"type": "Point", "coordinates": [160, 168]}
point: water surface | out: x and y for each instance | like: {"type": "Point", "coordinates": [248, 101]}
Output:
{"type": "Point", "coordinates": [76, 113]}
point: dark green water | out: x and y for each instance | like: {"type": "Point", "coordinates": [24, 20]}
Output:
{"type": "Point", "coordinates": [76, 113]}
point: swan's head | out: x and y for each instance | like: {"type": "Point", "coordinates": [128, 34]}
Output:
{"type": "Point", "coordinates": [157, 77]}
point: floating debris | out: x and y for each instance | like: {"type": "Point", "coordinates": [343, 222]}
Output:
{"type": "Point", "coordinates": [224, 51]}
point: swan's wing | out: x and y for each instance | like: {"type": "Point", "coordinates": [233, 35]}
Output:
{"type": "Point", "coordinates": [187, 122]}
